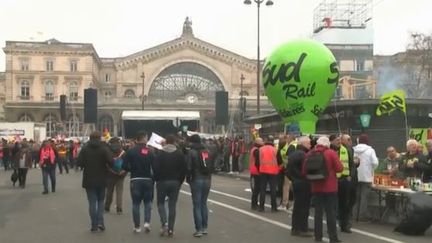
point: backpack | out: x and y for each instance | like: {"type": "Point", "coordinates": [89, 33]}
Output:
{"type": "Point", "coordinates": [316, 167]}
{"type": "Point", "coordinates": [203, 156]}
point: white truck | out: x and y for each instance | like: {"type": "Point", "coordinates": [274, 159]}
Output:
{"type": "Point", "coordinates": [20, 130]}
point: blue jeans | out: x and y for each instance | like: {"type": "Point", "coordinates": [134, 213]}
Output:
{"type": "Point", "coordinates": [50, 172]}
{"type": "Point", "coordinates": [141, 190]}
{"type": "Point", "coordinates": [200, 190]}
{"type": "Point", "coordinates": [171, 190]}
{"type": "Point", "coordinates": [95, 197]}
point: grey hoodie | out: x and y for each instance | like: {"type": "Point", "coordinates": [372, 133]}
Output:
{"type": "Point", "coordinates": [368, 162]}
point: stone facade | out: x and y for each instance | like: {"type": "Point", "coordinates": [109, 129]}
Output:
{"type": "Point", "coordinates": [37, 73]}
{"type": "Point", "coordinates": [2, 95]}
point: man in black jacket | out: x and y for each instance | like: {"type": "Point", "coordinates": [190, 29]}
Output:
{"type": "Point", "coordinates": [139, 162]}
{"type": "Point", "coordinates": [169, 173]}
{"type": "Point", "coordinates": [95, 158]}
{"type": "Point", "coordinates": [199, 178]}
{"type": "Point", "coordinates": [301, 188]}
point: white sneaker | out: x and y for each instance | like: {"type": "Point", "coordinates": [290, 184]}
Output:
{"type": "Point", "coordinates": [137, 229]}
{"type": "Point", "coordinates": [147, 227]}
{"type": "Point", "coordinates": [282, 208]}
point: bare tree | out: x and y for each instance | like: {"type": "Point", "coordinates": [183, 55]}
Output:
{"type": "Point", "coordinates": [416, 63]}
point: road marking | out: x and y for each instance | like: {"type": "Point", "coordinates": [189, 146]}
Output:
{"type": "Point", "coordinates": [242, 211]}
{"type": "Point", "coordinates": [362, 232]}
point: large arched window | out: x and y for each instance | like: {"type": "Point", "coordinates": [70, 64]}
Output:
{"type": "Point", "coordinates": [51, 122]}
{"type": "Point", "coordinates": [49, 90]}
{"type": "Point", "coordinates": [106, 122]}
{"type": "Point", "coordinates": [25, 90]}
{"type": "Point", "coordinates": [25, 118]}
{"type": "Point", "coordinates": [73, 90]}
{"type": "Point", "coordinates": [129, 93]}
{"type": "Point", "coordinates": [73, 126]}
{"type": "Point", "coordinates": [184, 80]}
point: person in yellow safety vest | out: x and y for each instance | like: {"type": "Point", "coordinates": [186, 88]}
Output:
{"type": "Point", "coordinates": [62, 158]}
{"type": "Point", "coordinates": [344, 183]}
{"type": "Point", "coordinates": [285, 142]}
{"type": "Point", "coordinates": [269, 170]}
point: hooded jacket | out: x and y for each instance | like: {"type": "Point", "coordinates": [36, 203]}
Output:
{"type": "Point", "coordinates": [170, 164]}
{"type": "Point", "coordinates": [193, 163]}
{"type": "Point", "coordinates": [95, 158]}
{"type": "Point", "coordinates": [368, 162]}
{"type": "Point", "coordinates": [329, 184]}
{"type": "Point", "coordinates": [295, 163]}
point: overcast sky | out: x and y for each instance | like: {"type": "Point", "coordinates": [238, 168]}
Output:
{"type": "Point", "coordinates": [122, 27]}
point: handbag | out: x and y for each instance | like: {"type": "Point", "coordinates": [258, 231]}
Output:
{"type": "Point", "coordinates": [14, 176]}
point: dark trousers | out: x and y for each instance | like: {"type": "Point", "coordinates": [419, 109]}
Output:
{"type": "Point", "coordinates": [327, 202]}
{"type": "Point", "coordinates": [264, 180]}
{"type": "Point", "coordinates": [6, 163]}
{"type": "Point", "coordinates": [235, 163]}
{"type": "Point", "coordinates": [35, 159]}
{"type": "Point", "coordinates": [22, 176]}
{"type": "Point", "coordinates": [63, 163]}
{"type": "Point", "coordinates": [344, 207]}
{"type": "Point", "coordinates": [256, 188]}
{"type": "Point", "coordinates": [51, 173]}
{"type": "Point", "coordinates": [95, 197]}
{"type": "Point", "coordinates": [302, 201]}
{"type": "Point", "coordinates": [171, 190]}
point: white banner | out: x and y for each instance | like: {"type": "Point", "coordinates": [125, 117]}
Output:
{"type": "Point", "coordinates": [155, 141]}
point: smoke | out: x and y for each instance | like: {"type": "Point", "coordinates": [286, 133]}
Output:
{"type": "Point", "coordinates": [389, 77]}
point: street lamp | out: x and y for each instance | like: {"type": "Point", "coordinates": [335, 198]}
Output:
{"type": "Point", "coordinates": [142, 95]}
{"type": "Point", "coordinates": [258, 2]}
{"type": "Point", "coordinates": [242, 101]}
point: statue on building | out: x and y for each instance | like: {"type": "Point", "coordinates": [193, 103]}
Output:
{"type": "Point", "coordinates": [187, 27]}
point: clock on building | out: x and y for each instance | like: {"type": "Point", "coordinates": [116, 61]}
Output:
{"type": "Point", "coordinates": [191, 98]}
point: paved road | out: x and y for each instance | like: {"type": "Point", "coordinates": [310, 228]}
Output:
{"type": "Point", "coordinates": [28, 216]}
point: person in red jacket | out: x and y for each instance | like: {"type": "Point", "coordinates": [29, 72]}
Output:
{"type": "Point", "coordinates": [254, 172]}
{"type": "Point", "coordinates": [48, 165]}
{"type": "Point", "coordinates": [325, 191]}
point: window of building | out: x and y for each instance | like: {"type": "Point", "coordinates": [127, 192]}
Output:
{"type": "Point", "coordinates": [107, 77]}
{"type": "Point", "coordinates": [107, 94]}
{"type": "Point", "coordinates": [129, 93]}
{"type": "Point", "coordinates": [24, 65]}
{"type": "Point", "coordinates": [50, 65]}
{"type": "Point", "coordinates": [49, 90]}
{"type": "Point", "coordinates": [73, 66]}
{"type": "Point", "coordinates": [25, 90]}
{"type": "Point", "coordinates": [50, 121]}
{"type": "Point", "coordinates": [73, 126]}
{"type": "Point", "coordinates": [73, 91]}
{"type": "Point", "coordinates": [25, 118]}
{"type": "Point", "coordinates": [360, 65]}
{"type": "Point", "coordinates": [346, 65]}
{"type": "Point", "coordinates": [106, 122]}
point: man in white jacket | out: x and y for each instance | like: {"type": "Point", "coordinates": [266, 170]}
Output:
{"type": "Point", "coordinates": [365, 155]}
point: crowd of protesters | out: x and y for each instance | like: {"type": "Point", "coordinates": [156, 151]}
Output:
{"type": "Point", "coordinates": [105, 165]}
{"type": "Point", "coordinates": [341, 191]}
{"type": "Point", "coordinates": [329, 173]}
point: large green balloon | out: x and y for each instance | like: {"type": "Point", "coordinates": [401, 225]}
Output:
{"type": "Point", "coordinates": [300, 78]}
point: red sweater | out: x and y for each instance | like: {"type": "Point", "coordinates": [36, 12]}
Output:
{"type": "Point", "coordinates": [330, 184]}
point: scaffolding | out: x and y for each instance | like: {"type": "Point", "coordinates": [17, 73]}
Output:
{"type": "Point", "coordinates": [355, 88]}
{"type": "Point", "coordinates": [346, 14]}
